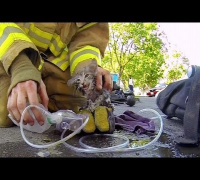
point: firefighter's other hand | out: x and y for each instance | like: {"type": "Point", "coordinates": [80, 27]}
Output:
{"type": "Point", "coordinates": [104, 79]}
{"type": "Point", "coordinates": [27, 92]}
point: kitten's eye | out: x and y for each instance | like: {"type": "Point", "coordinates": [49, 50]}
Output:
{"type": "Point", "coordinates": [87, 75]}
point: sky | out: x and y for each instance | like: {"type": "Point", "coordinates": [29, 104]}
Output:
{"type": "Point", "coordinates": [186, 37]}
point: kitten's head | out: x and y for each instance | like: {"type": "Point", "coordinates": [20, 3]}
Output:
{"type": "Point", "coordinates": [84, 80]}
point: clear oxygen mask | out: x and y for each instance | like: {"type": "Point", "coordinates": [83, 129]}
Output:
{"type": "Point", "coordinates": [64, 119]}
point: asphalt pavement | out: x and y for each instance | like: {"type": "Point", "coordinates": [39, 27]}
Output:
{"type": "Point", "coordinates": [12, 144]}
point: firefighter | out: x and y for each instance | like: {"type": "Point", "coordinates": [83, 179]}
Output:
{"type": "Point", "coordinates": [36, 61]}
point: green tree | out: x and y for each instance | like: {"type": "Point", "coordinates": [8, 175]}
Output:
{"type": "Point", "coordinates": [136, 50]}
{"type": "Point", "coordinates": [176, 66]}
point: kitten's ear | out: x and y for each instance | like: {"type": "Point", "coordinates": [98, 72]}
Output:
{"type": "Point", "coordinates": [70, 82]}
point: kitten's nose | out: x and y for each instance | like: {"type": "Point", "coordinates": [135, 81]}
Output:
{"type": "Point", "coordinates": [78, 80]}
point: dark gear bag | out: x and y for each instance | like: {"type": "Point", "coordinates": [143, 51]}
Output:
{"type": "Point", "coordinates": [181, 99]}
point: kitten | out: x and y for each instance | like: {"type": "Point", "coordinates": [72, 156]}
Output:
{"type": "Point", "coordinates": [85, 81]}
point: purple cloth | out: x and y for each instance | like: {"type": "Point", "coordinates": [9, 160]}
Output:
{"type": "Point", "coordinates": [133, 122]}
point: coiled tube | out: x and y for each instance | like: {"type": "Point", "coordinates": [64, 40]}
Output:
{"type": "Point", "coordinates": [89, 149]}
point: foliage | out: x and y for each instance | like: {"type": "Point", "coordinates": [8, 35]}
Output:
{"type": "Point", "coordinates": [136, 50]}
{"type": "Point", "coordinates": [176, 66]}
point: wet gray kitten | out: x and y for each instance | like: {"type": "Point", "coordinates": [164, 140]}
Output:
{"type": "Point", "coordinates": [84, 81]}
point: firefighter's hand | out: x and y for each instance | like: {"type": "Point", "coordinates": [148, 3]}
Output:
{"type": "Point", "coordinates": [104, 79]}
{"type": "Point", "coordinates": [24, 92]}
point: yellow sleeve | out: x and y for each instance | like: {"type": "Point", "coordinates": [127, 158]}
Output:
{"type": "Point", "coordinates": [14, 40]}
{"type": "Point", "coordinates": [89, 43]}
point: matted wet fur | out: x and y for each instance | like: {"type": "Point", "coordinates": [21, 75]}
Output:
{"type": "Point", "coordinates": [85, 81]}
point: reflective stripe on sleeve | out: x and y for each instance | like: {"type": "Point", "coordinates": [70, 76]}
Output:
{"type": "Point", "coordinates": [88, 52]}
{"type": "Point", "coordinates": [10, 32]}
{"type": "Point", "coordinates": [38, 37]}
{"type": "Point", "coordinates": [44, 39]}
{"type": "Point", "coordinates": [56, 45]}
{"type": "Point", "coordinates": [41, 64]}
{"type": "Point", "coordinates": [63, 60]}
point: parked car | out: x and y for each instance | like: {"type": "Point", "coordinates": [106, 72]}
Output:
{"type": "Point", "coordinates": [153, 91]}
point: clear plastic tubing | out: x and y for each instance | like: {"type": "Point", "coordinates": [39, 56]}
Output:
{"type": "Point", "coordinates": [89, 149]}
